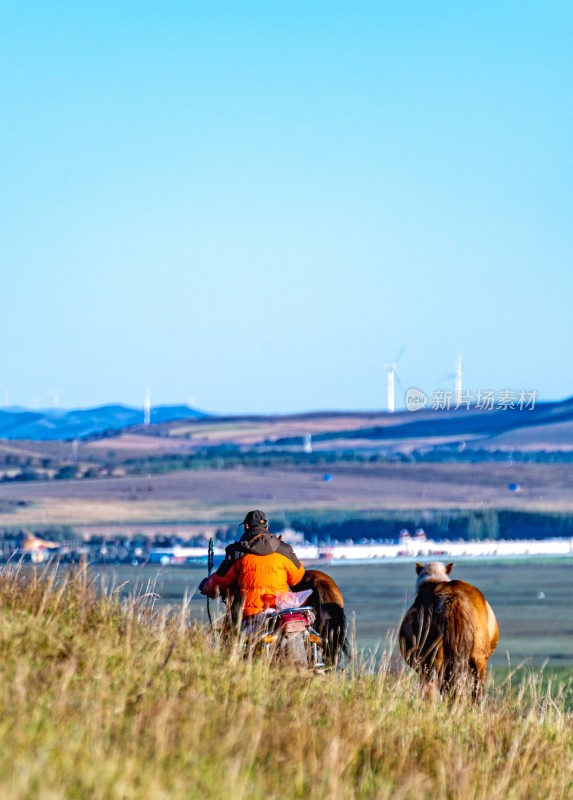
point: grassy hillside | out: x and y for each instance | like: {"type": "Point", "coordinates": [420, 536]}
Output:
{"type": "Point", "coordinates": [107, 701]}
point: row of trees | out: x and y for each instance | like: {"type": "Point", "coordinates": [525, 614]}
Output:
{"type": "Point", "coordinates": [438, 524]}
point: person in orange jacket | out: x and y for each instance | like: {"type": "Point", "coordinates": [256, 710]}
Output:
{"type": "Point", "coordinates": [258, 566]}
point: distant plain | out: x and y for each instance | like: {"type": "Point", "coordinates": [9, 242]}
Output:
{"type": "Point", "coordinates": [207, 497]}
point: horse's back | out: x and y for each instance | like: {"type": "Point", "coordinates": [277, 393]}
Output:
{"type": "Point", "coordinates": [324, 584]}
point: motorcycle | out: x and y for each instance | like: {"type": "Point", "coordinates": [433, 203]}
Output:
{"type": "Point", "coordinates": [283, 632]}
{"type": "Point", "coordinates": [286, 632]}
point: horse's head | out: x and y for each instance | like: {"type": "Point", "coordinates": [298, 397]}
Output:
{"type": "Point", "coordinates": [434, 572]}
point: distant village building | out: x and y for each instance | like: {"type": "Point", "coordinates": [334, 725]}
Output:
{"type": "Point", "coordinates": [404, 536]}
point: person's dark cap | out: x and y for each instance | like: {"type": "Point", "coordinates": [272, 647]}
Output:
{"type": "Point", "coordinates": [254, 518]}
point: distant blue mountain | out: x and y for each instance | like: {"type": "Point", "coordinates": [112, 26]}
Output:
{"type": "Point", "coordinates": [55, 423]}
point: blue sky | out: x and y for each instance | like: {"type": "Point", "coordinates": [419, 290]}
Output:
{"type": "Point", "coordinates": [256, 205]}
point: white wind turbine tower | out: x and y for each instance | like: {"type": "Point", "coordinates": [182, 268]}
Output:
{"type": "Point", "coordinates": [56, 397]}
{"type": "Point", "coordinates": [458, 380]}
{"type": "Point", "coordinates": [147, 407]}
{"type": "Point", "coordinates": [391, 376]}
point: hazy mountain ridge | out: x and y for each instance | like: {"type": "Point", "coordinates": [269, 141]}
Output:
{"type": "Point", "coordinates": [54, 424]}
{"type": "Point", "coordinates": [469, 423]}
{"type": "Point", "coordinates": [548, 424]}
{"type": "Point", "coordinates": [473, 427]}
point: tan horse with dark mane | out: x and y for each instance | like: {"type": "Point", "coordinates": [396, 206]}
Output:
{"type": "Point", "coordinates": [449, 632]}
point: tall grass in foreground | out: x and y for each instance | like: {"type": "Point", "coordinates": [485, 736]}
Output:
{"type": "Point", "coordinates": [101, 699]}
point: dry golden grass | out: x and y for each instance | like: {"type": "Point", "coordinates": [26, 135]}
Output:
{"type": "Point", "coordinates": [102, 700]}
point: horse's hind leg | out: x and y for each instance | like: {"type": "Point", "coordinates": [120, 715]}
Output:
{"type": "Point", "coordinates": [429, 687]}
{"type": "Point", "coordinates": [431, 682]}
{"type": "Point", "coordinates": [478, 672]}
{"type": "Point", "coordinates": [332, 627]}
{"type": "Point", "coordinates": [457, 675]}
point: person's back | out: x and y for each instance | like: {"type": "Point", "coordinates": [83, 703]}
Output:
{"type": "Point", "coordinates": [259, 566]}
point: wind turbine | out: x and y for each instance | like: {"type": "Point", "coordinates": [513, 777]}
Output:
{"type": "Point", "coordinates": [391, 376]}
{"type": "Point", "coordinates": [457, 376]}
{"type": "Point", "coordinates": [147, 407]}
{"type": "Point", "coordinates": [56, 397]}
{"type": "Point", "coordinates": [458, 380]}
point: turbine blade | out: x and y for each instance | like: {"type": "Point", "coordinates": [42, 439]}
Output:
{"type": "Point", "coordinates": [400, 354]}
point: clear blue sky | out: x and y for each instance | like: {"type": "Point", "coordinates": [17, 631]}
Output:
{"type": "Point", "coordinates": [256, 204]}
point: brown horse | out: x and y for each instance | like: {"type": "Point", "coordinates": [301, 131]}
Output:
{"type": "Point", "coordinates": [448, 633]}
{"type": "Point", "coordinates": [328, 605]}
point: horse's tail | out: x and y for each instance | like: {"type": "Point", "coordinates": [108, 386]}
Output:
{"type": "Point", "coordinates": [334, 630]}
{"type": "Point", "coordinates": [328, 604]}
{"type": "Point", "coordinates": [455, 619]}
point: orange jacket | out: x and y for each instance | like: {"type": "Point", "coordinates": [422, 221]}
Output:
{"type": "Point", "coordinates": [262, 568]}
